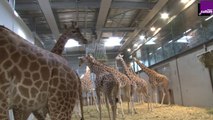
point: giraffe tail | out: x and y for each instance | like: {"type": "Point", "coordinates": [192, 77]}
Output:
{"type": "Point", "coordinates": [80, 97]}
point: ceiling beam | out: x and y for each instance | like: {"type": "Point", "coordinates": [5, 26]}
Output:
{"type": "Point", "coordinates": [87, 4]}
{"type": "Point", "coordinates": [159, 5]}
{"type": "Point", "coordinates": [42, 30]}
{"type": "Point", "coordinates": [48, 13]}
{"type": "Point", "coordinates": [102, 16]}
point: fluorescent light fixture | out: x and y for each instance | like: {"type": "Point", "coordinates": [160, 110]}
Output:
{"type": "Point", "coordinates": [112, 41]}
{"type": "Point", "coordinates": [16, 14]}
{"type": "Point", "coordinates": [156, 31]}
{"type": "Point", "coordinates": [170, 41]}
{"type": "Point", "coordinates": [21, 33]}
{"type": "Point", "coordinates": [142, 37]}
{"type": "Point", "coordinates": [187, 31]}
{"type": "Point", "coordinates": [71, 43]}
{"type": "Point", "coordinates": [159, 48]}
{"type": "Point", "coordinates": [152, 28]}
{"type": "Point", "coordinates": [164, 16]}
{"type": "Point", "coordinates": [151, 41]}
{"type": "Point", "coordinates": [209, 18]}
{"type": "Point", "coordinates": [128, 49]}
{"type": "Point", "coordinates": [184, 39]}
{"type": "Point", "coordinates": [150, 53]}
{"type": "Point", "coordinates": [184, 1]}
{"type": "Point", "coordinates": [135, 45]}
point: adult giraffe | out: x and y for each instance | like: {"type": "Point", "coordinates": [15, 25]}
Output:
{"type": "Point", "coordinates": [156, 80]}
{"type": "Point", "coordinates": [32, 78]}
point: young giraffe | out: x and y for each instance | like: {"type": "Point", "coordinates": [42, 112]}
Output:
{"type": "Point", "coordinates": [156, 80]}
{"type": "Point", "coordinates": [32, 78]}
{"type": "Point", "coordinates": [105, 82]}
{"type": "Point", "coordinates": [70, 32]}
{"type": "Point", "coordinates": [87, 86]}
{"type": "Point", "coordinates": [141, 84]}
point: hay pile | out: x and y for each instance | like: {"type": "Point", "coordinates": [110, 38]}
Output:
{"type": "Point", "coordinates": [164, 112]}
{"type": "Point", "coordinates": [207, 59]}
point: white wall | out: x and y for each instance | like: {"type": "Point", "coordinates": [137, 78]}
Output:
{"type": "Point", "coordinates": [189, 80]}
{"type": "Point", "coordinates": [13, 22]}
{"type": "Point", "coordinates": [195, 81]}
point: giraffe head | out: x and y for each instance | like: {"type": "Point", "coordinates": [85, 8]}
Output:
{"type": "Point", "coordinates": [86, 59]}
{"type": "Point", "coordinates": [119, 57]}
{"type": "Point", "coordinates": [74, 32]}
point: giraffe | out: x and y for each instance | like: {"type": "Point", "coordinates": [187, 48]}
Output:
{"type": "Point", "coordinates": [105, 82]}
{"type": "Point", "coordinates": [86, 83]}
{"type": "Point", "coordinates": [87, 86]}
{"type": "Point", "coordinates": [156, 80]}
{"type": "Point", "coordinates": [141, 84]}
{"type": "Point", "coordinates": [32, 78]}
{"type": "Point", "coordinates": [125, 85]}
{"type": "Point", "coordinates": [72, 32]}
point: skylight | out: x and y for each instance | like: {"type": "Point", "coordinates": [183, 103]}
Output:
{"type": "Point", "coordinates": [72, 43]}
{"type": "Point", "coordinates": [112, 41]}
{"type": "Point", "coordinates": [151, 42]}
{"type": "Point", "coordinates": [184, 39]}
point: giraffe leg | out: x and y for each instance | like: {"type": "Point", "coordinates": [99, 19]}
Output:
{"type": "Point", "coordinates": [99, 102]}
{"type": "Point", "coordinates": [95, 101]}
{"type": "Point", "coordinates": [121, 103]}
{"type": "Point", "coordinates": [4, 114]}
{"type": "Point", "coordinates": [107, 106]}
{"type": "Point", "coordinates": [20, 114]}
{"type": "Point", "coordinates": [41, 114]}
{"type": "Point", "coordinates": [87, 98]}
{"type": "Point", "coordinates": [132, 101]}
{"type": "Point", "coordinates": [168, 95]}
{"type": "Point", "coordinates": [162, 100]}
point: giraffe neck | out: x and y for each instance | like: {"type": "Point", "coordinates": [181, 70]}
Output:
{"type": "Point", "coordinates": [87, 73]}
{"type": "Point", "coordinates": [59, 46]}
{"type": "Point", "coordinates": [148, 71]}
{"type": "Point", "coordinates": [126, 69]}
{"type": "Point", "coordinates": [96, 68]}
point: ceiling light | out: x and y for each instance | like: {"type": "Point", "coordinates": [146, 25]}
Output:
{"type": "Point", "coordinates": [135, 45]}
{"type": "Point", "coordinates": [128, 49]}
{"type": "Point", "coordinates": [164, 16]}
{"type": "Point", "coordinates": [152, 28]}
{"type": "Point", "coordinates": [142, 37]}
{"type": "Point", "coordinates": [112, 41]}
{"type": "Point", "coordinates": [156, 31]}
{"type": "Point", "coordinates": [151, 41]}
{"type": "Point", "coordinates": [71, 43]}
{"type": "Point", "coordinates": [159, 48]}
{"type": "Point", "coordinates": [16, 14]}
{"type": "Point", "coordinates": [170, 41]}
{"type": "Point", "coordinates": [184, 1]}
{"type": "Point", "coordinates": [184, 39]}
{"type": "Point", "coordinates": [209, 18]}
{"type": "Point", "coordinates": [187, 31]}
